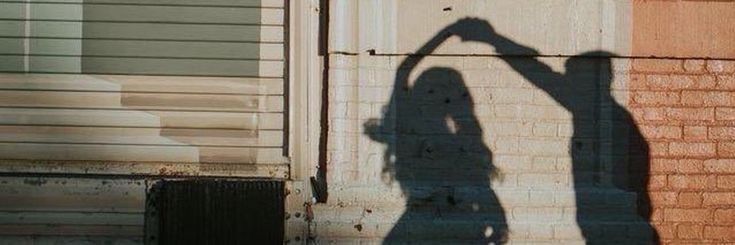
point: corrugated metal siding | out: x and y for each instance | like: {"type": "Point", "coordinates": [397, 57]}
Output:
{"type": "Point", "coordinates": [157, 81]}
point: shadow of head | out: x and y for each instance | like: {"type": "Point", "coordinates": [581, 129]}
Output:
{"type": "Point", "coordinates": [598, 61]}
{"type": "Point", "coordinates": [441, 93]}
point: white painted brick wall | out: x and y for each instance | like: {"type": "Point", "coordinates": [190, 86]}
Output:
{"type": "Point", "coordinates": [527, 131]}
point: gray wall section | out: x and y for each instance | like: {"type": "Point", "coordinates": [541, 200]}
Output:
{"type": "Point", "coordinates": [133, 37]}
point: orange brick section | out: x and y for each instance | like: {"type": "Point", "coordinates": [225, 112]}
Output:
{"type": "Point", "coordinates": [686, 111]}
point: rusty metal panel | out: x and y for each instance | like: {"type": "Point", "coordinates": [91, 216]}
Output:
{"type": "Point", "coordinates": [210, 211]}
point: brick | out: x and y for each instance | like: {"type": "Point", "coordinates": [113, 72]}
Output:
{"type": "Point", "coordinates": [726, 182]}
{"type": "Point", "coordinates": [726, 149]}
{"type": "Point", "coordinates": [665, 231]}
{"type": "Point", "coordinates": [544, 129]}
{"type": "Point", "coordinates": [695, 132]}
{"type": "Point", "coordinates": [669, 82]}
{"type": "Point", "coordinates": [658, 148]}
{"type": "Point", "coordinates": [689, 199]}
{"type": "Point", "coordinates": [661, 132]}
{"type": "Point", "coordinates": [706, 82]}
{"type": "Point", "coordinates": [566, 232]}
{"type": "Point", "coordinates": [655, 98]}
{"type": "Point", "coordinates": [720, 166]}
{"type": "Point", "coordinates": [692, 149]}
{"type": "Point", "coordinates": [694, 65]}
{"type": "Point", "coordinates": [690, 231]}
{"type": "Point", "coordinates": [544, 147]}
{"type": "Point", "coordinates": [650, 114]}
{"type": "Point", "coordinates": [547, 180]}
{"type": "Point", "coordinates": [708, 98]}
{"type": "Point", "coordinates": [721, 66]}
{"type": "Point", "coordinates": [657, 215]}
{"type": "Point", "coordinates": [659, 165]}
{"type": "Point", "coordinates": [656, 182]}
{"type": "Point", "coordinates": [726, 82]}
{"type": "Point", "coordinates": [657, 65]}
{"type": "Point", "coordinates": [725, 216]}
{"type": "Point", "coordinates": [718, 198]}
{"type": "Point", "coordinates": [719, 232]}
{"type": "Point", "coordinates": [693, 114]}
{"type": "Point", "coordinates": [690, 166]}
{"type": "Point", "coordinates": [725, 114]}
{"type": "Point", "coordinates": [686, 215]}
{"type": "Point", "coordinates": [663, 198]}
{"type": "Point", "coordinates": [691, 182]}
{"type": "Point", "coordinates": [722, 133]}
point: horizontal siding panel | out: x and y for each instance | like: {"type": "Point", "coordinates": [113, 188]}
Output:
{"type": "Point", "coordinates": [219, 120]}
{"type": "Point", "coordinates": [68, 117]}
{"type": "Point", "coordinates": [241, 103]}
{"type": "Point", "coordinates": [71, 218]}
{"type": "Point", "coordinates": [229, 154]}
{"type": "Point", "coordinates": [72, 230]}
{"type": "Point", "coordinates": [59, 99]}
{"type": "Point", "coordinates": [140, 136]}
{"type": "Point", "coordinates": [152, 84]}
{"type": "Point", "coordinates": [227, 3]}
{"type": "Point", "coordinates": [133, 48]}
{"type": "Point", "coordinates": [12, 45]}
{"type": "Point", "coordinates": [140, 153]}
{"type": "Point", "coordinates": [11, 10]}
{"type": "Point", "coordinates": [138, 132]}
{"type": "Point", "coordinates": [143, 66]}
{"type": "Point", "coordinates": [138, 140]}
{"type": "Point", "coordinates": [272, 139]}
{"type": "Point", "coordinates": [138, 13]}
{"type": "Point", "coordinates": [84, 152]}
{"type": "Point", "coordinates": [171, 66]}
{"type": "Point", "coordinates": [46, 194]}
{"type": "Point", "coordinates": [131, 118]}
{"type": "Point", "coordinates": [140, 101]}
{"type": "Point", "coordinates": [143, 31]}
{"type": "Point", "coordinates": [203, 85]}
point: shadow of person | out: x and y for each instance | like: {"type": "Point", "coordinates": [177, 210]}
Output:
{"type": "Point", "coordinates": [607, 148]}
{"type": "Point", "coordinates": [436, 154]}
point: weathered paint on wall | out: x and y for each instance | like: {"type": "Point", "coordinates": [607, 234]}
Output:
{"type": "Point", "coordinates": [68, 209]}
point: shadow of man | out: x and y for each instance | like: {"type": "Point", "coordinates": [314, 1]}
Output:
{"type": "Point", "coordinates": [436, 154]}
{"type": "Point", "coordinates": [607, 148]}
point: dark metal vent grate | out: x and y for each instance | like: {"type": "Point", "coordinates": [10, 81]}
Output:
{"type": "Point", "coordinates": [215, 212]}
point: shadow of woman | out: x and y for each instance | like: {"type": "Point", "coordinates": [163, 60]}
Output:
{"type": "Point", "coordinates": [436, 154]}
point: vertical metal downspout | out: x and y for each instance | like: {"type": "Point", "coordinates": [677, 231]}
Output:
{"type": "Point", "coordinates": [319, 182]}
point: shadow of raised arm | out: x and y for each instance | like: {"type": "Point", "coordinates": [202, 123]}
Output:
{"type": "Point", "coordinates": [519, 57]}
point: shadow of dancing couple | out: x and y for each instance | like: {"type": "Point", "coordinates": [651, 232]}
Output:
{"type": "Point", "coordinates": [436, 153]}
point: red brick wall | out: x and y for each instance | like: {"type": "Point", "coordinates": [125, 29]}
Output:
{"type": "Point", "coordinates": [686, 111]}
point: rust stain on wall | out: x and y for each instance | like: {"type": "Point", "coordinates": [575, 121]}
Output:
{"type": "Point", "coordinates": [684, 29]}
